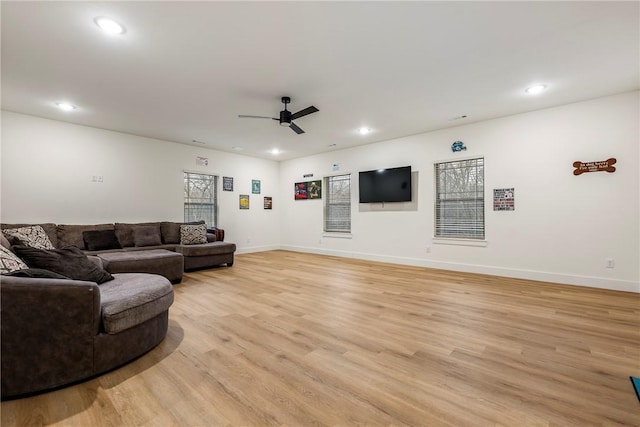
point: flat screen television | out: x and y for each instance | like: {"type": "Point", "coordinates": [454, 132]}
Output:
{"type": "Point", "coordinates": [385, 185]}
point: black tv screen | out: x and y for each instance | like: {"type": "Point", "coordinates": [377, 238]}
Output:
{"type": "Point", "coordinates": [386, 185]}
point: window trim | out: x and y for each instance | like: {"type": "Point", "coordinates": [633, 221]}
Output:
{"type": "Point", "coordinates": [465, 240]}
{"type": "Point", "coordinates": [216, 202]}
{"type": "Point", "coordinates": [336, 233]}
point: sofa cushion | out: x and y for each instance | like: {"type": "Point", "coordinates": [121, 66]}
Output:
{"type": "Point", "coordinates": [99, 240]}
{"type": "Point", "coordinates": [133, 298]}
{"type": "Point", "coordinates": [171, 231]}
{"type": "Point", "coordinates": [206, 249]}
{"type": "Point", "coordinates": [49, 228]}
{"type": "Point", "coordinates": [71, 235]}
{"type": "Point", "coordinates": [33, 236]}
{"type": "Point", "coordinates": [10, 262]}
{"type": "Point", "coordinates": [37, 273]}
{"type": "Point", "coordinates": [124, 231]}
{"type": "Point", "coordinates": [69, 261]}
{"type": "Point", "coordinates": [193, 234]}
{"type": "Point", "coordinates": [147, 236]}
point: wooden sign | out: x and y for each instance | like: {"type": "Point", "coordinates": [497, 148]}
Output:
{"type": "Point", "coordinates": [605, 165]}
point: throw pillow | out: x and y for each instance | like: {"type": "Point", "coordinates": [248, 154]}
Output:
{"type": "Point", "coordinates": [33, 236]}
{"type": "Point", "coordinates": [99, 240]}
{"type": "Point", "coordinates": [69, 261]}
{"type": "Point", "coordinates": [4, 242]}
{"type": "Point", "coordinates": [37, 273]}
{"type": "Point", "coordinates": [10, 262]}
{"type": "Point", "coordinates": [193, 234]}
{"type": "Point", "coordinates": [147, 236]}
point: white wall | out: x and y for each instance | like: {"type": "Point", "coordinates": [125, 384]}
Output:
{"type": "Point", "coordinates": [563, 229]}
{"type": "Point", "coordinates": [48, 167]}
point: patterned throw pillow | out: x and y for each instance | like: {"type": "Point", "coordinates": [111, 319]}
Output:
{"type": "Point", "coordinates": [33, 236]}
{"type": "Point", "coordinates": [9, 262]}
{"type": "Point", "coordinates": [193, 234]}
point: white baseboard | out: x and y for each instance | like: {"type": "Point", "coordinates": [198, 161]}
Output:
{"type": "Point", "coordinates": [542, 276]}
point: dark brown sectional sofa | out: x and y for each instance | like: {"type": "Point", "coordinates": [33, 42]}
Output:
{"type": "Point", "coordinates": [198, 256]}
{"type": "Point", "coordinates": [55, 332]}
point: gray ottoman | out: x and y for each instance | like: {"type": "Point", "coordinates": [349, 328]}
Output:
{"type": "Point", "coordinates": [155, 261]}
{"type": "Point", "coordinates": [207, 255]}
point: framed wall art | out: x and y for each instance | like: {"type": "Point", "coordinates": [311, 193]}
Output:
{"type": "Point", "coordinates": [244, 201]}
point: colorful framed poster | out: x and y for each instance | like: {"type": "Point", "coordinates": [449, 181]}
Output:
{"type": "Point", "coordinates": [255, 186]}
{"type": "Point", "coordinates": [314, 189]}
{"type": "Point", "coordinates": [268, 202]}
{"type": "Point", "coordinates": [227, 183]}
{"type": "Point", "coordinates": [244, 201]}
{"type": "Point", "coordinates": [300, 191]}
{"type": "Point", "coordinates": [504, 199]}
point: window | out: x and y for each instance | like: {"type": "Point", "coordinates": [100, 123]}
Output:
{"type": "Point", "coordinates": [460, 199]}
{"type": "Point", "coordinates": [337, 207]}
{"type": "Point", "coordinates": [201, 198]}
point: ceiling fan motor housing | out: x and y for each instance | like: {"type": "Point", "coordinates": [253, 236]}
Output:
{"type": "Point", "coordinates": [285, 118]}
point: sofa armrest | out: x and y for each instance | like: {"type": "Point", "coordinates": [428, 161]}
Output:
{"type": "Point", "coordinates": [47, 331]}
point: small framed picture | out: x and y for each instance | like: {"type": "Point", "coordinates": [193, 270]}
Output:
{"type": "Point", "coordinates": [244, 201]}
{"type": "Point", "coordinates": [300, 191]}
{"type": "Point", "coordinates": [255, 186]}
{"type": "Point", "coordinates": [314, 189]}
{"type": "Point", "coordinates": [227, 183]}
{"type": "Point", "coordinates": [268, 203]}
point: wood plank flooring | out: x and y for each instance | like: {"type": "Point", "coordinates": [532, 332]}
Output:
{"type": "Point", "coordinates": [292, 339]}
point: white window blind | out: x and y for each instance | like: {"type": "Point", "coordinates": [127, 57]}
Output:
{"type": "Point", "coordinates": [201, 198]}
{"type": "Point", "coordinates": [337, 207]}
{"type": "Point", "coordinates": [459, 202]}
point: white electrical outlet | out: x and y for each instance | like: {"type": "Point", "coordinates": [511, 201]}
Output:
{"type": "Point", "coordinates": [611, 263]}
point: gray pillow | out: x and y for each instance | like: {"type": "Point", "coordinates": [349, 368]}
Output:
{"type": "Point", "coordinates": [70, 262]}
{"type": "Point", "coordinates": [147, 236]}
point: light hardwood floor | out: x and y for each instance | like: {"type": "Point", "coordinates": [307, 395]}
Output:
{"type": "Point", "coordinates": [291, 339]}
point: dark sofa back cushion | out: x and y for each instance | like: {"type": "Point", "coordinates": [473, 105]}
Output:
{"type": "Point", "coordinates": [171, 231]}
{"type": "Point", "coordinates": [124, 231]}
{"type": "Point", "coordinates": [99, 240]}
{"type": "Point", "coordinates": [147, 236]}
{"type": "Point", "coordinates": [49, 228]}
{"type": "Point", "coordinates": [71, 235]}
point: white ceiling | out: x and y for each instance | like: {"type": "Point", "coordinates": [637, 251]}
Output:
{"type": "Point", "coordinates": [183, 71]}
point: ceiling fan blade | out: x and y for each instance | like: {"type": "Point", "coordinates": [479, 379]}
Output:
{"type": "Point", "coordinates": [244, 116]}
{"type": "Point", "coordinates": [304, 112]}
{"type": "Point", "coordinates": [296, 129]}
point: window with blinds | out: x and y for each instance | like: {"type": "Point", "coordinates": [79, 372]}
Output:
{"type": "Point", "coordinates": [459, 206]}
{"type": "Point", "coordinates": [201, 198]}
{"type": "Point", "coordinates": [337, 206]}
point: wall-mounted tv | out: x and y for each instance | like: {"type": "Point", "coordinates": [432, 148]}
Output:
{"type": "Point", "coordinates": [385, 185]}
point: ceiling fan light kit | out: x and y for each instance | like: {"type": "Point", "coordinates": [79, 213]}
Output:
{"type": "Point", "coordinates": [286, 117]}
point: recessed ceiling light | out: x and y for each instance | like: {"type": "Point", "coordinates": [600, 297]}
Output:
{"type": "Point", "coordinates": [65, 106]}
{"type": "Point", "coordinates": [364, 130]}
{"type": "Point", "coordinates": [275, 151]}
{"type": "Point", "coordinates": [534, 90]}
{"type": "Point", "coordinates": [109, 26]}
{"type": "Point", "coordinates": [238, 148]}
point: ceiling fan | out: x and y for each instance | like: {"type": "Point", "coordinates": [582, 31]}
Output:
{"type": "Point", "coordinates": [286, 117]}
